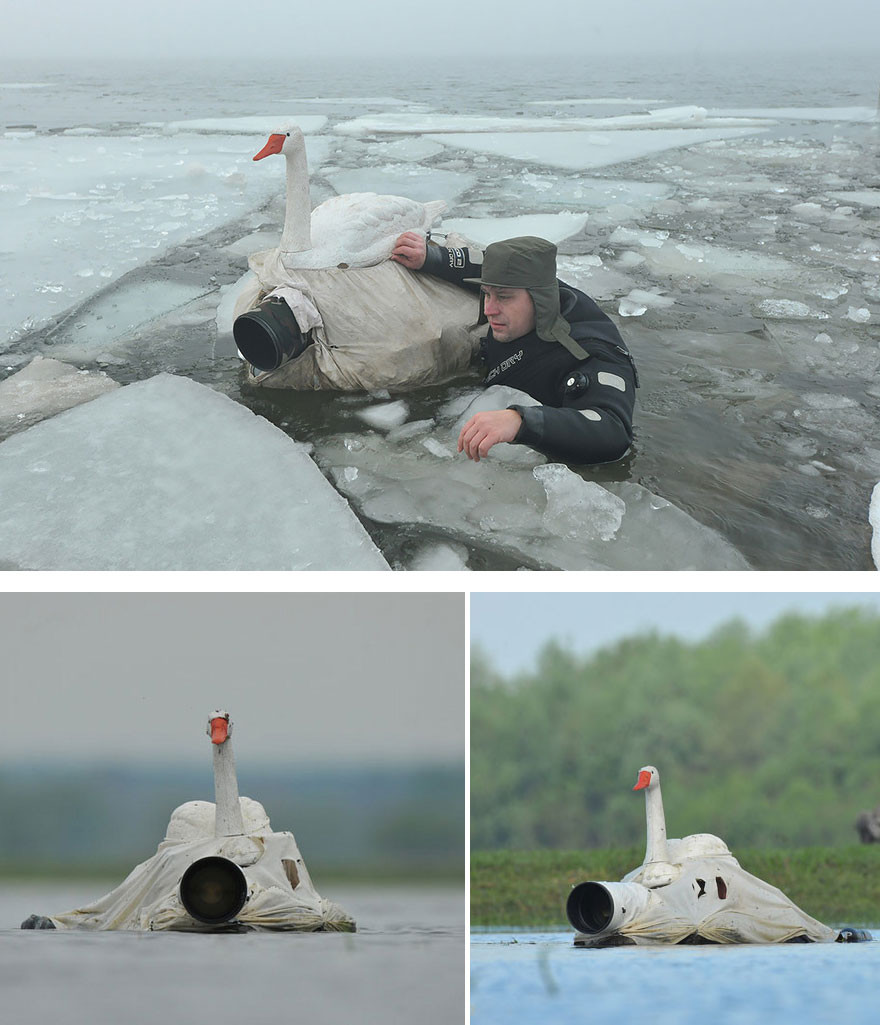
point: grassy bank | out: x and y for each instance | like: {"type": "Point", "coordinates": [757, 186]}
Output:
{"type": "Point", "coordinates": [839, 885]}
{"type": "Point", "coordinates": [111, 873]}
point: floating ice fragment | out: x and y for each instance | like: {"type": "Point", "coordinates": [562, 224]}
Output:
{"type": "Point", "coordinates": [639, 301]}
{"type": "Point", "coordinates": [832, 291]}
{"type": "Point", "coordinates": [691, 252]}
{"type": "Point", "coordinates": [860, 315]}
{"type": "Point", "coordinates": [577, 507]}
{"type": "Point", "coordinates": [385, 416]}
{"type": "Point", "coordinates": [818, 512]}
{"type": "Point", "coordinates": [628, 308]}
{"type": "Point", "coordinates": [824, 339]}
{"type": "Point", "coordinates": [436, 449]}
{"type": "Point", "coordinates": [874, 520]}
{"type": "Point", "coordinates": [440, 557]}
{"type": "Point", "coordinates": [782, 309]}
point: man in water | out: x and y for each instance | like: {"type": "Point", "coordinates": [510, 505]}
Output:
{"type": "Point", "coordinates": [545, 338]}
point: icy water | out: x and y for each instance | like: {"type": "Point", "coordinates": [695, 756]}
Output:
{"type": "Point", "coordinates": [405, 964]}
{"type": "Point", "coordinates": [738, 252]}
{"type": "Point", "coordinates": [541, 979]}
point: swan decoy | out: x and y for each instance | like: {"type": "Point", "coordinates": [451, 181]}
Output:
{"type": "Point", "coordinates": [663, 857]}
{"type": "Point", "coordinates": [356, 230]}
{"type": "Point", "coordinates": [220, 866]}
{"type": "Point", "coordinates": [691, 890]}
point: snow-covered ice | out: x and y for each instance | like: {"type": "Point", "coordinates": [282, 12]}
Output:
{"type": "Point", "coordinates": [169, 474]}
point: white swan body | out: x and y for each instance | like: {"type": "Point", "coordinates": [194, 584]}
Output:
{"type": "Point", "coordinates": [358, 229]}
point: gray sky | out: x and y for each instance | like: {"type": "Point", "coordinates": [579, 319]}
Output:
{"type": "Point", "coordinates": [511, 628]}
{"type": "Point", "coordinates": [306, 677]}
{"type": "Point", "coordinates": [278, 31]}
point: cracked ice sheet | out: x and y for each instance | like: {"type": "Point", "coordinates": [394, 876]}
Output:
{"type": "Point", "coordinates": [582, 150]}
{"type": "Point", "coordinates": [502, 503]}
{"type": "Point", "coordinates": [422, 124]}
{"type": "Point", "coordinates": [484, 230]}
{"type": "Point", "coordinates": [78, 212]}
{"type": "Point", "coordinates": [800, 113]}
{"type": "Point", "coordinates": [162, 474]}
{"type": "Point", "coordinates": [257, 126]}
{"type": "Point", "coordinates": [868, 197]}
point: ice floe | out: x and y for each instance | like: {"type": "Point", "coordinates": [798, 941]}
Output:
{"type": "Point", "coordinates": [799, 113]}
{"type": "Point", "coordinates": [169, 474]}
{"type": "Point", "coordinates": [864, 197]}
{"type": "Point", "coordinates": [256, 126]}
{"type": "Point", "coordinates": [514, 502]}
{"type": "Point", "coordinates": [46, 387]}
{"type": "Point", "coordinates": [483, 230]}
{"type": "Point", "coordinates": [583, 150]}
{"type": "Point", "coordinates": [874, 520]}
{"type": "Point", "coordinates": [423, 124]}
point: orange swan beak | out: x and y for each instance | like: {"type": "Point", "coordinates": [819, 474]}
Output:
{"type": "Point", "coordinates": [273, 146]}
{"type": "Point", "coordinates": [219, 730]}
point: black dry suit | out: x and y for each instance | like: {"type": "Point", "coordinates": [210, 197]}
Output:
{"type": "Point", "coordinates": [586, 407]}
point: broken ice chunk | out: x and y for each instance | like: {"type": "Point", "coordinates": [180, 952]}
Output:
{"type": "Point", "coordinates": [385, 416]}
{"type": "Point", "coordinates": [578, 507]}
{"type": "Point", "coordinates": [46, 387]}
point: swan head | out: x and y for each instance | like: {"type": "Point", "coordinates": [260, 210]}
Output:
{"type": "Point", "coordinates": [285, 141]}
{"type": "Point", "coordinates": [648, 777]}
{"type": "Point", "coordinates": [219, 727]}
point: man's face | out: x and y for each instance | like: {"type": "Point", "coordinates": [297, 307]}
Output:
{"type": "Point", "coordinates": [510, 312]}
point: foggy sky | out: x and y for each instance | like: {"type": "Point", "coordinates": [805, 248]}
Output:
{"type": "Point", "coordinates": [511, 628]}
{"type": "Point", "coordinates": [281, 32]}
{"type": "Point", "coordinates": [329, 678]}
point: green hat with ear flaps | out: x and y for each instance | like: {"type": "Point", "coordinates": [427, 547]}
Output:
{"type": "Point", "coordinates": [530, 263]}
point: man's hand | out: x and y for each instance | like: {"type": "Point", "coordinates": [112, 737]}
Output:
{"type": "Point", "coordinates": [484, 430]}
{"type": "Point", "coordinates": [410, 249]}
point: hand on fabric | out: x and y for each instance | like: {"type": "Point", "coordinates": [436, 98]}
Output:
{"type": "Point", "coordinates": [484, 430]}
{"type": "Point", "coordinates": [410, 249]}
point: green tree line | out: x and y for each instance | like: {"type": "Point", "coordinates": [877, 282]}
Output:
{"type": "Point", "coordinates": [768, 739]}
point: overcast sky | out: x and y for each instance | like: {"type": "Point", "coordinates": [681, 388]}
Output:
{"type": "Point", "coordinates": [306, 677]}
{"type": "Point", "coordinates": [511, 628]}
{"type": "Point", "coordinates": [281, 32]}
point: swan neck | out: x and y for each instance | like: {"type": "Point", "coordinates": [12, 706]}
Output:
{"type": "Point", "coordinates": [228, 820]}
{"type": "Point", "coordinates": [656, 849]}
{"type": "Point", "coordinates": [297, 234]}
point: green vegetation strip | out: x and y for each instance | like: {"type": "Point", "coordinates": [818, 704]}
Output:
{"type": "Point", "coordinates": [839, 886]}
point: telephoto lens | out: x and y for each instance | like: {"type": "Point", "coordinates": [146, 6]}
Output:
{"type": "Point", "coordinates": [268, 335]}
{"type": "Point", "coordinates": [213, 890]}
